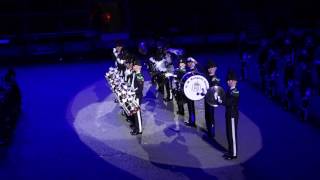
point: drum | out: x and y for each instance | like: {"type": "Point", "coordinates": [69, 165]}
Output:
{"type": "Point", "coordinates": [194, 86]}
{"type": "Point", "coordinates": [215, 96]}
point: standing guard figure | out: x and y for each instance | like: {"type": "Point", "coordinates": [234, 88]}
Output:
{"type": "Point", "coordinates": [209, 110]}
{"type": "Point", "coordinates": [232, 116]}
{"type": "Point", "coordinates": [191, 67]}
{"type": "Point", "coordinates": [137, 84]}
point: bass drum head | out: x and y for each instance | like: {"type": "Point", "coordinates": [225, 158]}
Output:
{"type": "Point", "coordinates": [215, 96]}
{"type": "Point", "coordinates": [194, 86]}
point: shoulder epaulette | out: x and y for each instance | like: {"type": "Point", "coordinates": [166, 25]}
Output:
{"type": "Point", "coordinates": [235, 92]}
{"type": "Point", "coordinates": [140, 77]}
{"type": "Point", "coordinates": [215, 79]}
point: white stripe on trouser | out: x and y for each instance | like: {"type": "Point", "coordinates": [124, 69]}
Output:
{"type": "Point", "coordinates": [233, 131]}
{"type": "Point", "coordinates": [170, 89]}
{"type": "Point", "coordinates": [139, 119]}
{"type": "Point", "coordinates": [132, 80]}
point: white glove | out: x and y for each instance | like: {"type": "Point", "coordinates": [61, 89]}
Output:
{"type": "Point", "coordinates": [115, 52]}
{"type": "Point", "coordinates": [120, 61]}
{"type": "Point", "coordinates": [170, 74]}
{"type": "Point", "coordinates": [216, 96]}
{"type": "Point", "coordinates": [219, 100]}
{"type": "Point", "coordinates": [152, 59]}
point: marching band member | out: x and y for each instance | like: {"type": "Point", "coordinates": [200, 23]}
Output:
{"type": "Point", "coordinates": [128, 72]}
{"type": "Point", "coordinates": [117, 51]}
{"type": "Point", "coordinates": [163, 68]}
{"type": "Point", "coordinates": [209, 110]}
{"type": "Point", "coordinates": [159, 70]}
{"type": "Point", "coordinates": [191, 67]}
{"type": "Point", "coordinates": [232, 116]}
{"type": "Point", "coordinates": [127, 78]}
{"type": "Point", "coordinates": [120, 55]}
{"type": "Point", "coordinates": [137, 84]}
{"type": "Point", "coordinates": [168, 77]}
{"type": "Point", "coordinates": [178, 92]}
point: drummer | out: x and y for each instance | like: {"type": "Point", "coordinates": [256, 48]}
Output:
{"type": "Point", "coordinates": [209, 110]}
{"type": "Point", "coordinates": [191, 67]}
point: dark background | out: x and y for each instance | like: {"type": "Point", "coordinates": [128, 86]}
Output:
{"type": "Point", "coordinates": [138, 16]}
{"type": "Point", "coordinates": [38, 27]}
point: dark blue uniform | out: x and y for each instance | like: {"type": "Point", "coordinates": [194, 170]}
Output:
{"type": "Point", "coordinates": [190, 103]}
{"type": "Point", "coordinates": [232, 116]}
{"type": "Point", "coordinates": [138, 82]}
{"type": "Point", "coordinates": [209, 110]}
{"type": "Point", "coordinates": [178, 92]}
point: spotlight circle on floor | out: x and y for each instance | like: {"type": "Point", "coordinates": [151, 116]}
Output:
{"type": "Point", "coordinates": [99, 124]}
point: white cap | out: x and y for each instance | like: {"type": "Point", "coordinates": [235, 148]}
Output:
{"type": "Point", "coordinates": [191, 59]}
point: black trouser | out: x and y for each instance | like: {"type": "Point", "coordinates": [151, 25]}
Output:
{"type": "Point", "coordinates": [160, 79]}
{"type": "Point", "coordinates": [180, 98]}
{"type": "Point", "coordinates": [168, 86]}
{"type": "Point", "coordinates": [209, 115]}
{"type": "Point", "coordinates": [231, 126]}
{"type": "Point", "coordinates": [121, 69]}
{"type": "Point", "coordinates": [192, 114]}
{"type": "Point", "coordinates": [130, 119]}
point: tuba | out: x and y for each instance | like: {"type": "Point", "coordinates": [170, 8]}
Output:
{"type": "Point", "coordinates": [215, 96]}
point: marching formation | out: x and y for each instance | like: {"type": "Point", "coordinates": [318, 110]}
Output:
{"type": "Point", "coordinates": [186, 84]}
{"type": "Point", "coordinates": [126, 83]}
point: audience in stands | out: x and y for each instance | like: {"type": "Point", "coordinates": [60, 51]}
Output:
{"type": "Point", "coordinates": [289, 70]}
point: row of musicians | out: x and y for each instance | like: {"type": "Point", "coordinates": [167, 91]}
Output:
{"type": "Point", "coordinates": [231, 102]}
{"type": "Point", "coordinates": [130, 69]}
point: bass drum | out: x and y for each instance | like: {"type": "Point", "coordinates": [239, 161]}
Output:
{"type": "Point", "coordinates": [194, 86]}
